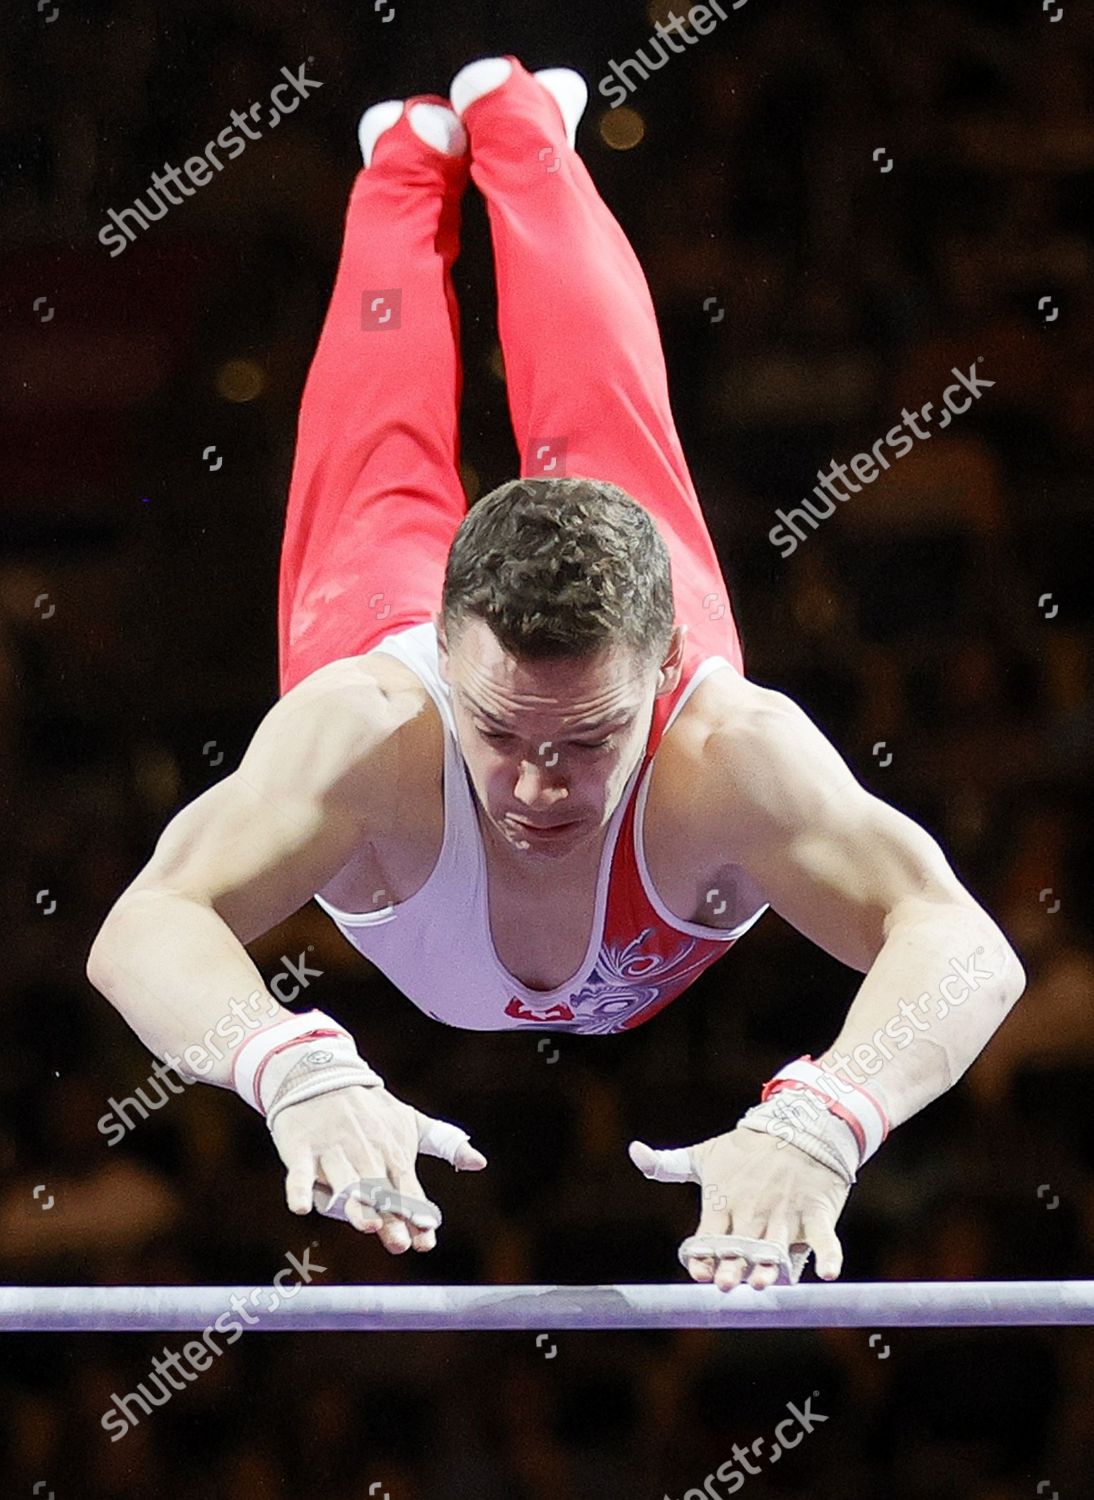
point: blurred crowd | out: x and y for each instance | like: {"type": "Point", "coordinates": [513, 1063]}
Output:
{"type": "Point", "coordinates": [937, 626]}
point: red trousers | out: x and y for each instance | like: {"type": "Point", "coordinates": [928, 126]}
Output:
{"type": "Point", "coordinates": [375, 496]}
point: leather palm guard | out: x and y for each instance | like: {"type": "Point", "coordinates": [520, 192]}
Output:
{"type": "Point", "coordinates": [378, 1193]}
{"type": "Point", "coordinates": [723, 1246]}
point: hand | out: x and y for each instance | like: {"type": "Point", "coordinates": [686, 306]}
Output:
{"type": "Point", "coordinates": [755, 1186]}
{"type": "Point", "coordinates": [337, 1139]}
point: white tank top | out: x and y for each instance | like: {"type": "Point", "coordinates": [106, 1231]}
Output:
{"type": "Point", "coordinates": [437, 946]}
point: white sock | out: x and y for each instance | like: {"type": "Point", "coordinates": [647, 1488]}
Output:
{"type": "Point", "coordinates": [476, 79]}
{"type": "Point", "coordinates": [439, 127]}
{"type": "Point", "coordinates": [570, 92]}
{"type": "Point", "coordinates": [373, 123]}
{"type": "Point", "coordinates": [435, 124]}
{"type": "Point", "coordinates": [568, 89]}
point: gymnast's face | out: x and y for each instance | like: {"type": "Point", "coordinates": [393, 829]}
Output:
{"type": "Point", "coordinates": [550, 742]}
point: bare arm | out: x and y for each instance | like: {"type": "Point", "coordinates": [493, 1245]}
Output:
{"type": "Point", "coordinates": [319, 776]}
{"type": "Point", "coordinates": [873, 889]}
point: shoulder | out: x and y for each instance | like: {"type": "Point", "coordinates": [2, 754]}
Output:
{"type": "Point", "coordinates": [359, 693]}
{"type": "Point", "coordinates": [729, 715]}
{"type": "Point", "coordinates": [353, 679]}
{"type": "Point", "coordinates": [363, 724]}
{"type": "Point", "coordinates": [749, 758]}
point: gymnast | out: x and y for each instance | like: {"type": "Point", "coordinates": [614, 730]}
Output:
{"type": "Point", "coordinates": [516, 758]}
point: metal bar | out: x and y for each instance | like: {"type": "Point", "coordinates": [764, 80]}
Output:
{"type": "Point", "coordinates": [916, 1304]}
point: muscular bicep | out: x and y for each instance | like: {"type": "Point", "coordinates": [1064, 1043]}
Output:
{"type": "Point", "coordinates": [834, 860]}
{"type": "Point", "coordinates": [319, 776]}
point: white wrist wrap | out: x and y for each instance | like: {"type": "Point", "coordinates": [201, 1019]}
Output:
{"type": "Point", "coordinates": [836, 1122]}
{"type": "Point", "coordinates": [298, 1059]}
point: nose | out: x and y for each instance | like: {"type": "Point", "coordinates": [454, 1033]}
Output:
{"type": "Point", "coordinates": [533, 787]}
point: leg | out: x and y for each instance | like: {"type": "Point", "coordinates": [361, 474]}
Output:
{"type": "Point", "coordinates": [583, 357]}
{"type": "Point", "coordinates": [375, 496]}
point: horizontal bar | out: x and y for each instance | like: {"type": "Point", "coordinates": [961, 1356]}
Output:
{"type": "Point", "coordinates": [421, 1309]}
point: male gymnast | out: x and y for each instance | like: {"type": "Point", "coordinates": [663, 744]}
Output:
{"type": "Point", "coordinates": [552, 801]}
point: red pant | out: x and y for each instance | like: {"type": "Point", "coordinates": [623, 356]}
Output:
{"type": "Point", "coordinates": [375, 497]}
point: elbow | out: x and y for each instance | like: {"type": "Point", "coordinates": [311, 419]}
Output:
{"type": "Point", "coordinates": [98, 961]}
{"type": "Point", "coordinates": [1015, 980]}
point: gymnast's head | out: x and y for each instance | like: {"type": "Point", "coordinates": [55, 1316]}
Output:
{"type": "Point", "coordinates": [556, 635]}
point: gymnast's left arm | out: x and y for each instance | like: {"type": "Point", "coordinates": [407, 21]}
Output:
{"type": "Point", "coordinates": [873, 889]}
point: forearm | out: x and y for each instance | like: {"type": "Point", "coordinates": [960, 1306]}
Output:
{"type": "Point", "coordinates": [182, 980]}
{"type": "Point", "coordinates": [941, 985]}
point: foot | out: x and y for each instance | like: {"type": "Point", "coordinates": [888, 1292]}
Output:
{"type": "Point", "coordinates": [567, 88]}
{"type": "Point", "coordinates": [435, 124]}
{"type": "Point", "coordinates": [477, 79]}
{"type": "Point", "coordinates": [570, 92]}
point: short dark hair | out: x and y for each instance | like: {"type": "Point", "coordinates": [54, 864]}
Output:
{"type": "Point", "coordinates": [561, 568]}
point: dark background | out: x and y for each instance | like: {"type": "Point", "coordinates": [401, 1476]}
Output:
{"type": "Point", "coordinates": [915, 617]}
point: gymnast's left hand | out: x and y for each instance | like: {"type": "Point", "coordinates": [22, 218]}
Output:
{"type": "Point", "coordinates": [757, 1186]}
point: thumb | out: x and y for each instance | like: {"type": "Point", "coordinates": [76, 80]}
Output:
{"type": "Point", "coordinates": [440, 1138]}
{"type": "Point", "coordinates": [675, 1164]}
{"type": "Point", "coordinates": [826, 1248]}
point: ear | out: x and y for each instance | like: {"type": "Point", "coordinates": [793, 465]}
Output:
{"type": "Point", "coordinates": [671, 669]}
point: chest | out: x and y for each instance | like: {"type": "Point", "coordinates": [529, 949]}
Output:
{"type": "Point", "coordinates": [542, 939]}
{"type": "Point", "coordinates": [542, 929]}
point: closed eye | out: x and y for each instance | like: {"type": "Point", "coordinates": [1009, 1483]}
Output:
{"type": "Point", "coordinates": [582, 744]}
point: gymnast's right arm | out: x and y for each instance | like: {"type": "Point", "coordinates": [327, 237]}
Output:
{"type": "Point", "coordinates": [321, 775]}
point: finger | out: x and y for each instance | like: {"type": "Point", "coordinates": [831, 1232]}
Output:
{"type": "Point", "coordinates": [340, 1176]}
{"type": "Point", "coordinates": [766, 1266]}
{"type": "Point", "coordinates": [442, 1138]}
{"type": "Point", "coordinates": [337, 1169]}
{"type": "Point", "coordinates": [675, 1164]}
{"type": "Point", "coordinates": [349, 1206]}
{"type": "Point", "coordinates": [394, 1236]}
{"type": "Point", "coordinates": [374, 1205]}
{"type": "Point", "coordinates": [735, 1256]}
{"type": "Point", "coordinates": [360, 1215]}
{"type": "Point", "coordinates": [763, 1266]}
{"type": "Point", "coordinates": [423, 1239]}
{"type": "Point", "coordinates": [799, 1259]}
{"type": "Point", "coordinates": [356, 1206]}
{"type": "Point", "coordinates": [819, 1232]}
{"type": "Point", "coordinates": [700, 1268]}
{"type": "Point", "coordinates": [384, 1197]}
{"type": "Point", "coordinates": [365, 1205]}
{"type": "Point", "coordinates": [422, 1226]}
{"type": "Point", "coordinates": [300, 1182]}
{"type": "Point", "coordinates": [410, 1201]}
{"type": "Point", "coordinates": [703, 1265]}
{"type": "Point", "coordinates": [730, 1272]}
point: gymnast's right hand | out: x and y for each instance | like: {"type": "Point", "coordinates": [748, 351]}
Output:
{"type": "Point", "coordinates": [348, 1145]}
{"type": "Point", "coordinates": [336, 1145]}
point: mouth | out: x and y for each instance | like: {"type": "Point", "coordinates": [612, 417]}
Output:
{"type": "Point", "coordinates": [544, 830]}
